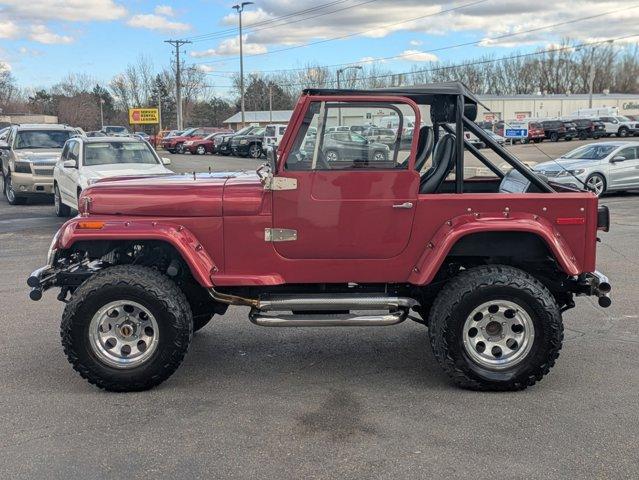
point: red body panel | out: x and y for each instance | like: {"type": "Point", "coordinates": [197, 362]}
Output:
{"type": "Point", "coordinates": [347, 228]}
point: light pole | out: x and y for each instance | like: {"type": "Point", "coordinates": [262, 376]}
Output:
{"type": "Point", "coordinates": [101, 114]}
{"type": "Point", "coordinates": [240, 8]}
{"type": "Point", "coordinates": [339, 72]}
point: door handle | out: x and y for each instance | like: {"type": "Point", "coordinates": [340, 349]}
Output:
{"type": "Point", "coordinates": [404, 205]}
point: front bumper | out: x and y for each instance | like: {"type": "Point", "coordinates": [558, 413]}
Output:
{"type": "Point", "coordinates": [32, 184]}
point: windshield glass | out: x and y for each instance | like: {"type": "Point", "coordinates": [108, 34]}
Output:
{"type": "Point", "coordinates": [188, 132]}
{"type": "Point", "coordinates": [623, 119]}
{"type": "Point", "coordinates": [245, 130]}
{"type": "Point", "coordinates": [41, 139]}
{"type": "Point", "coordinates": [106, 153]}
{"type": "Point", "coordinates": [591, 152]}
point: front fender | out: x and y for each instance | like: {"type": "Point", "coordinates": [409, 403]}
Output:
{"type": "Point", "coordinates": [181, 238]}
{"type": "Point", "coordinates": [452, 231]}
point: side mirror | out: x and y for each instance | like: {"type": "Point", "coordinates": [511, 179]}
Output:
{"type": "Point", "coordinates": [70, 164]}
{"type": "Point", "coordinates": [617, 158]}
{"type": "Point", "coordinates": [166, 161]}
{"type": "Point", "coordinates": [271, 157]}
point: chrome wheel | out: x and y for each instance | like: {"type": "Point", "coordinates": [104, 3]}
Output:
{"type": "Point", "coordinates": [332, 156]}
{"type": "Point", "coordinates": [8, 190]}
{"type": "Point", "coordinates": [596, 184]}
{"type": "Point", "coordinates": [498, 334]}
{"type": "Point", "coordinates": [201, 150]}
{"type": "Point", "coordinates": [255, 151]}
{"type": "Point", "coordinates": [379, 157]}
{"type": "Point", "coordinates": [123, 334]}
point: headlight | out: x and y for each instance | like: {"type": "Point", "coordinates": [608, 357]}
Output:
{"type": "Point", "coordinates": [570, 173]}
{"type": "Point", "coordinates": [22, 167]}
{"type": "Point", "coordinates": [243, 142]}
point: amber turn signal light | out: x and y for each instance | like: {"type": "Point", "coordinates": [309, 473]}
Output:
{"type": "Point", "coordinates": [92, 225]}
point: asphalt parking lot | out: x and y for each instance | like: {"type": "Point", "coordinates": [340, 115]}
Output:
{"type": "Point", "coordinates": [347, 403]}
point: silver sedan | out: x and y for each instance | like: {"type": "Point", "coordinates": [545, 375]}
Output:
{"type": "Point", "coordinates": [602, 167]}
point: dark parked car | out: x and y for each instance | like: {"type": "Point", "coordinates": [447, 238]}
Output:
{"type": "Point", "coordinates": [588, 128]}
{"type": "Point", "coordinates": [248, 144]}
{"type": "Point", "coordinates": [223, 146]}
{"type": "Point", "coordinates": [554, 130]}
{"type": "Point", "coordinates": [353, 149]}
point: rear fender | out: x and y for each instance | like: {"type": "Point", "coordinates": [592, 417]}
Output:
{"type": "Point", "coordinates": [452, 231]}
{"type": "Point", "coordinates": [182, 239]}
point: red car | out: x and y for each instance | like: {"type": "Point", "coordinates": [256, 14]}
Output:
{"type": "Point", "coordinates": [488, 264]}
{"type": "Point", "coordinates": [176, 144]}
{"type": "Point", "coordinates": [203, 145]}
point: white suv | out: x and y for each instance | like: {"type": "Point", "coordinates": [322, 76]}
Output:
{"type": "Point", "coordinates": [620, 126]}
{"type": "Point", "coordinates": [85, 160]}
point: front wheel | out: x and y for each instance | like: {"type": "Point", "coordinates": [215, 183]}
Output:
{"type": "Point", "coordinates": [127, 328]}
{"type": "Point", "coordinates": [179, 148]}
{"type": "Point", "coordinates": [554, 137]}
{"type": "Point", "coordinates": [12, 197]}
{"type": "Point", "coordinates": [623, 132]}
{"type": "Point", "coordinates": [597, 184]}
{"type": "Point", "coordinates": [255, 151]}
{"type": "Point", "coordinates": [495, 328]}
{"type": "Point", "coordinates": [200, 150]}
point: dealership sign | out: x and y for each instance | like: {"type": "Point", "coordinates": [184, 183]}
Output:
{"type": "Point", "coordinates": [143, 116]}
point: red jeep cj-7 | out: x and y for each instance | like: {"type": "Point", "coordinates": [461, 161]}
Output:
{"type": "Point", "coordinates": [329, 234]}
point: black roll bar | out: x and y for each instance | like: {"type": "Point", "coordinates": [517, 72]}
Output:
{"type": "Point", "coordinates": [510, 159]}
{"type": "Point", "coordinates": [459, 147]}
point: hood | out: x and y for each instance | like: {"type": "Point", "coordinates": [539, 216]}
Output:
{"type": "Point", "coordinates": [564, 163]}
{"type": "Point", "coordinates": [174, 195]}
{"type": "Point", "coordinates": [38, 155]}
{"type": "Point", "coordinates": [98, 172]}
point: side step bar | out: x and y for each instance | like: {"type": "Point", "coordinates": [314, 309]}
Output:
{"type": "Point", "coordinates": [398, 308]}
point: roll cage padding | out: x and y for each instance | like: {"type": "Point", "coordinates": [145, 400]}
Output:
{"type": "Point", "coordinates": [443, 163]}
{"type": "Point", "coordinates": [424, 146]}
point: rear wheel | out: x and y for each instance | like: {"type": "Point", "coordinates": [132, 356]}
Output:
{"type": "Point", "coordinates": [554, 137]}
{"type": "Point", "coordinates": [200, 150]}
{"type": "Point", "coordinates": [495, 328]}
{"type": "Point", "coordinates": [623, 132]}
{"type": "Point", "coordinates": [61, 210]}
{"type": "Point", "coordinates": [12, 197]}
{"type": "Point", "coordinates": [179, 148]}
{"type": "Point", "coordinates": [127, 328]}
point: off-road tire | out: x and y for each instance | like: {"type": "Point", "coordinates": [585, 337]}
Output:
{"type": "Point", "coordinates": [477, 286]}
{"type": "Point", "coordinates": [149, 288]}
{"type": "Point", "coordinates": [201, 321]}
{"type": "Point", "coordinates": [61, 210]}
{"type": "Point", "coordinates": [12, 198]}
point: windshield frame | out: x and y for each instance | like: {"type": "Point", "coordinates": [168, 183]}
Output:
{"type": "Point", "coordinates": [157, 159]}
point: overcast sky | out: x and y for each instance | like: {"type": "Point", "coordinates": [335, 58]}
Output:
{"type": "Point", "coordinates": [43, 40]}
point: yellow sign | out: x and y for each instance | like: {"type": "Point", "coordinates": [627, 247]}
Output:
{"type": "Point", "coordinates": [143, 116]}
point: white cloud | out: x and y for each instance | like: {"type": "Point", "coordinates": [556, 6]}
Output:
{"type": "Point", "coordinates": [152, 21]}
{"type": "Point", "coordinates": [415, 43]}
{"type": "Point", "coordinates": [9, 29]}
{"type": "Point", "coordinates": [418, 56]}
{"type": "Point", "coordinates": [231, 47]}
{"type": "Point", "coordinates": [5, 67]}
{"type": "Point", "coordinates": [165, 10]}
{"type": "Point", "coordinates": [205, 68]}
{"type": "Point", "coordinates": [42, 34]}
{"type": "Point", "coordinates": [65, 10]}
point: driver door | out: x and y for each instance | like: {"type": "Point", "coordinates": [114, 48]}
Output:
{"type": "Point", "coordinates": [625, 173]}
{"type": "Point", "coordinates": [344, 209]}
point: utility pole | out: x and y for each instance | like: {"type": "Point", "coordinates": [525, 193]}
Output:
{"type": "Point", "coordinates": [270, 102]}
{"type": "Point", "coordinates": [339, 72]}
{"type": "Point", "coordinates": [101, 114]}
{"type": "Point", "coordinates": [591, 76]}
{"type": "Point", "coordinates": [240, 8]}
{"type": "Point", "coordinates": [178, 80]}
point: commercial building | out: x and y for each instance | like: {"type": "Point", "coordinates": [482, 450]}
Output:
{"type": "Point", "coordinates": [499, 107]}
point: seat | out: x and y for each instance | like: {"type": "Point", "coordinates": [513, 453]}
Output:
{"type": "Point", "coordinates": [443, 164]}
{"type": "Point", "coordinates": [424, 146]}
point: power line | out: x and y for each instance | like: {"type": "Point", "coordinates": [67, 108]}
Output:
{"type": "Point", "coordinates": [469, 64]}
{"type": "Point", "coordinates": [458, 45]}
{"type": "Point", "coordinates": [326, 40]}
{"type": "Point", "coordinates": [226, 32]}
